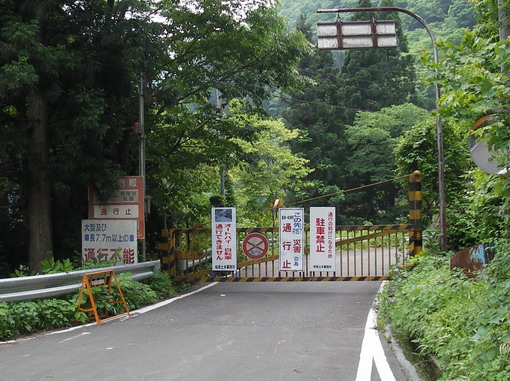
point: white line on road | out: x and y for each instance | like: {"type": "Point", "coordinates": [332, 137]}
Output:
{"type": "Point", "coordinates": [74, 337]}
{"type": "Point", "coordinates": [132, 313]}
{"type": "Point", "coordinates": [372, 351]}
{"type": "Point", "coordinates": [166, 302]}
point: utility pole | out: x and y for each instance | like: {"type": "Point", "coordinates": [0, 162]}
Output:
{"type": "Point", "coordinates": [503, 20]}
{"type": "Point", "coordinates": [222, 168]}
{"type": "Point", "coordinates": [439, 125]}
{"type": "Point", "coordinates": [141, 153]}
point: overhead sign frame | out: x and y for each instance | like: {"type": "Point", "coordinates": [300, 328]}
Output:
{"type": "Point", "coordinates": [356, 34]}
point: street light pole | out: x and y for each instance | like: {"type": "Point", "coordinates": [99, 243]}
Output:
{"type": "Point", "coordinates": [439, 124]}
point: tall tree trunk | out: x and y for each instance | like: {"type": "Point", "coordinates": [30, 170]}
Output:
{"type": "Point", "coordinates": [39, 185]}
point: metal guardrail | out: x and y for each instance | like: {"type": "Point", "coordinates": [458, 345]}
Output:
{"type": "Point", "coordinates": [48, 285]}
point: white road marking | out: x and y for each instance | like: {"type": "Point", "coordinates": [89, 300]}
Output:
{"type": "Point", "coordinates": [133, 313]}
{"type": "Point", "coordinates": [166, 302]}
{"type": "Point", "coordinates": [372, 351]}
{"type": "Point", "coordinates": [74, 337]}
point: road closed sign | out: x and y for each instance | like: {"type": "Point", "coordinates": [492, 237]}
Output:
{"type": "Point", "coordinates": [255, 246]}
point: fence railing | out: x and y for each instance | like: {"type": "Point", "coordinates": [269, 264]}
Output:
{"type": "Point", "coordinates": [48, 285]}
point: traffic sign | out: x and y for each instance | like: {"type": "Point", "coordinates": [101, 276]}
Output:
{"type": "Point", "coordinates": [255, 245]}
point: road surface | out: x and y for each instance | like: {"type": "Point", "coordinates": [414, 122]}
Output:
{"type": "Point", "coordinates": [226, 331]}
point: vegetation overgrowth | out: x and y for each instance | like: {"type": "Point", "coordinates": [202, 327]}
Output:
{"type": "Point", "coordinates": [27, 317]}
{"type": "Point", "coordinates": [463, 322]}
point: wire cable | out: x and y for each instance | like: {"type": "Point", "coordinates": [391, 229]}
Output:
{"type": "Point", "coordinates": [349, 190]}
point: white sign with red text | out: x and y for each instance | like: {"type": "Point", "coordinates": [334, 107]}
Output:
{"type": "Point", "coordinates": [224, 239]}
{"type": "Point", "coordinates": [127, 203]}
{"type": "Point", "coordinates": [322, 239]}
{"type": "Point", "coordinates": [106, 240]}
{"type": "Point", "coordinates": [291, 239]}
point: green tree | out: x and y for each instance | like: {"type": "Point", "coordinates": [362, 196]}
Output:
{"type": "Point", "coordinates": [69, 76]}
{"type": "Point", "coordinates": [316, 111]}
{"type": "Point", "coordinates": [377, 78]}
{"type": "Point", "coordinates": [63, 79]}
{"type": "Point", "coordinates": [189, 137]}
{"type": "Point", "coordinates": [372, 140]}
{"type": "Point", "coordinates": [474, 83]}
{"type": "Point", "coordinates": [272, 172]}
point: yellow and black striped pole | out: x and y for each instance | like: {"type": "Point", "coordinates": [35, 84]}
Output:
{"type": "Point", "coordinates": [168, 246]}
{"type": "Point", "coordinates": [415, 200]}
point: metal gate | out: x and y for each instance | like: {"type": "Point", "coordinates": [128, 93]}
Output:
{"type": "Point", "coordinates": [363, 253]}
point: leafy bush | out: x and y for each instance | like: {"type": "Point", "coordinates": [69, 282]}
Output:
{"type": "Point", "coordinates": [52, 266]}
{"type": "Point", "coordinates": [7, 321]}
{"type": "Point", "coordinates": [162, 285]}
{"type": "Point", "coordinates": [18, 318]}
{"type": "Point", "coordinates": [464, 322]}
{"type": "Point", "coordinates": [27, 313]}
{"type": "Point", "coordinates": [137, 294]}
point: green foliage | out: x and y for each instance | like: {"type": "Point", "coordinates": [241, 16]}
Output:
{"type": "Point", "coordinates": [162, 285]}
{"type": "Point", "coordinates": [417, 150]}
{"type": "Point", "coordinates": [7, 321]}
{"type": "Point", "coordinates": [28, 317]}
{"type": "Point", "coordinates": [56, 313]}
{"type": "Point", "coordinates": [272, 171]}
{"type": "Point", "coordinates": [50, 266]}
{"type": "Point", "coordinates": [464, 322]}
{"type": "Point", "coordinates": [83, 61]}
{"type": "Point", "coordinates": [137, 294]}
{"type": "Point", "coordinates": [19, 318]}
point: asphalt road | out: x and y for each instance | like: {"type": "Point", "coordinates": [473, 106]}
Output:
{"type": "Point", "coordinates": [228, 331]}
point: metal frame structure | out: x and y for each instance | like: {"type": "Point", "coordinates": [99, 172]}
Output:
{"type": "Point", "coordinates": [49, 285]}
{"type": "Point", "coordinates": [439, 124]}
{"type": "Point", "coordinates": [364, 253]}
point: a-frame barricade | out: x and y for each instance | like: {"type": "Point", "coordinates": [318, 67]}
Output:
{"type": "Point", "coordinates": [99, 279]}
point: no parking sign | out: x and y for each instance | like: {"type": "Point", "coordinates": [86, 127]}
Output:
{"type": "Point", "coordinates": [255, 245]}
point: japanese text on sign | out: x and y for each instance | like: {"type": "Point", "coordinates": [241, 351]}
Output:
{"type": "Point", "coordinates": [109, 240]}
{"type": "Point", "coordinates": [125, 203]}
{"type": "Point", "coordinates": [224, 239]}
{"type": "Point", "coordinates": [322, 239]}
{"type": "Point", "coordinates": [291, 239]}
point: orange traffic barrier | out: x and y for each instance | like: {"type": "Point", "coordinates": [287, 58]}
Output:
{"type": "Point", "coordinates": [98, 279]}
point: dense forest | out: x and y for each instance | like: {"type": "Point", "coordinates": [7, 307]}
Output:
{"type": "Point", "coordinates": [237, 91]}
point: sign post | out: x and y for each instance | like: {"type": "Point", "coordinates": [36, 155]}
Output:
{"type": "Point", "coordinates": [291, 239]}
{"type": "Point", "coordinates": [224, 239]}
{"type": "Point", "coordinates": [127, 203]}
{"type": "Point", "coordinates": [439, 123]}
{"type": "Point", "coordinates": [322, 239]}
{"type": "Point", "coordinates": [255, 246]}
{"type": "Point", "coordinates": [106, 240]}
